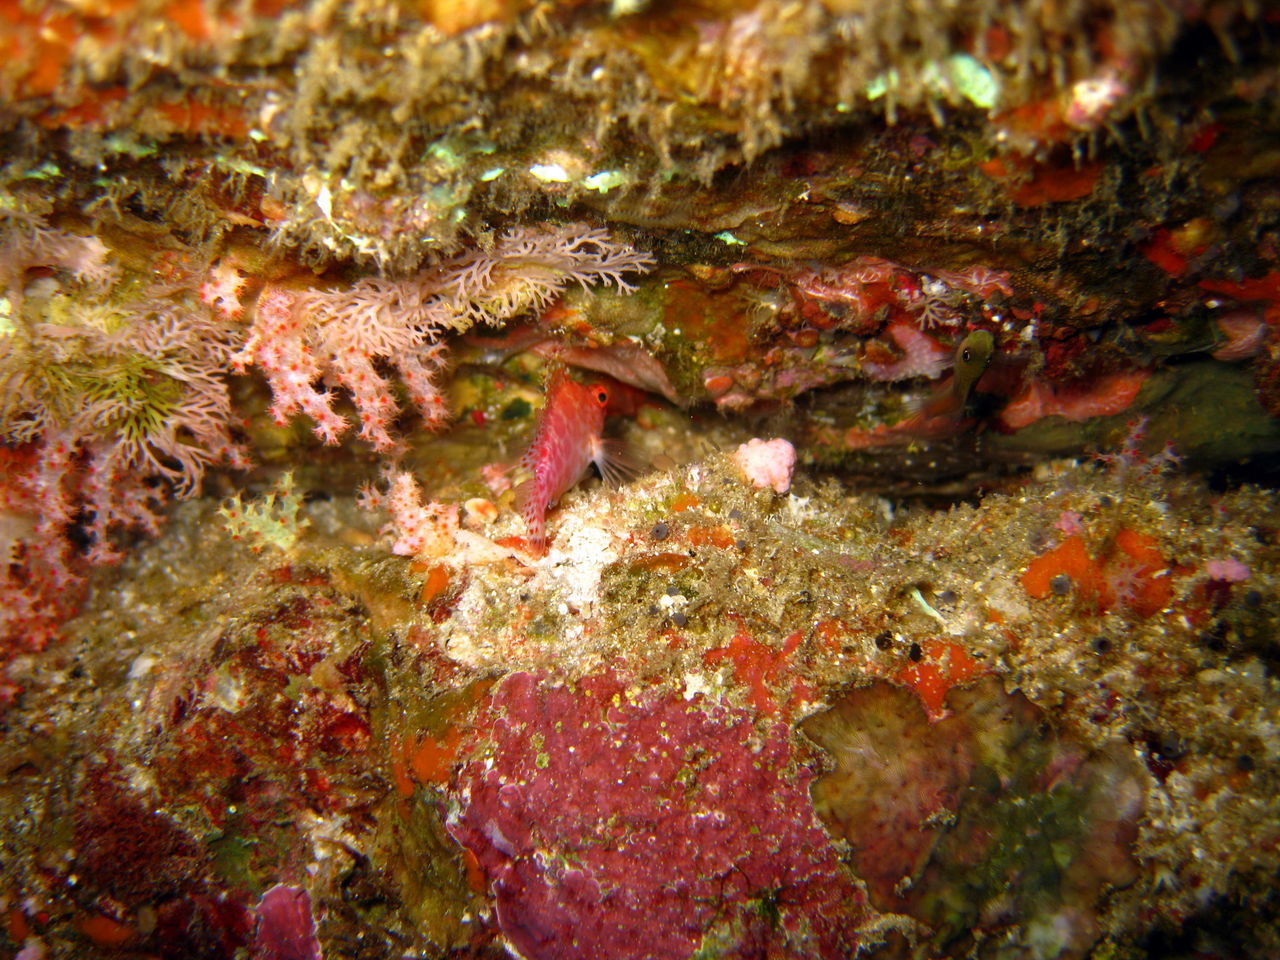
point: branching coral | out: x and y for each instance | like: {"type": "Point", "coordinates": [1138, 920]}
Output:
{"type": "Point", "coordinates": [132, 390]}
{"type": "Point", "coordinates": [26, 241]}
{"type": "Point", "coordinates": [420, 529]}
{"type": "Point", "coordinates": [112, 401]}
{"type": "Point", "coordinates": [271, 521]}
{"type": "Point", "coordinates": [337, 337]}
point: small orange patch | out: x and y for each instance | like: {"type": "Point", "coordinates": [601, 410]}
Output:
{"type": "Point", "coordinates": [452, 17]}
{"type": "Point", "coordinates": [711, 319]}
{"type": "Point", "coordinates": [106, 932]}
{"type": "Point", "coordinates": [997, 43]}
{"type": "Point", "coordinates": [190, 116]}
{"type": "Point", "coordinates": [755, 664]}
{"type": "Point", "coordinates": [1070, 558]}
{"type": "Point", "coordinates": [91, 113]}
{"type": "Point", "coordinates": [716, 536]}
{"type": "Point", "coordinates": [1032, 184]}
{"type": "Point", "coordinates": [1039, 120]}
{"type": "Point", "coordinates": [669, 562]}
{"type": "Point", "coordinates": [400, 768]}
{"type": "Point", "coordinates": [433, 758]}
{"type": "Point", "coordinates": [995, 168]}
{"type": "Point", "coordinates": [1139, 547]}
{"type": "Point", "coordinates": [17, 925]}
{"type": "Point", "coordinates": [50, 45]}
{"type": "Point", "coordinates": [718, 384]}
{"type": "Point", "coordinates": [684, 501]}
{"type": "Point", "coordinates": [434, 586]}
{"type": "Point", "coordinates": [1166, 252]}
{"type": "Point", "coordinates": [1265, 287]}
{"type": "Point", "coordinates": [1133, 559]}
{"type": "Point", "coordinates": [943, 665]}
{"type": "Point", "coordinates": [1152, 587]}
{"type": "Point", "coordinates": [475, 873]}
{"type": "Point", "coordinates": [190, 17]}
{"type": "Point", "coordinates": [1057, 185]}
{"type": "Point", "coordinates": [829, 632]}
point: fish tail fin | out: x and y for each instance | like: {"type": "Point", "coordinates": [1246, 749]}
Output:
{"type": "Point", "coordinates": [523, 493]}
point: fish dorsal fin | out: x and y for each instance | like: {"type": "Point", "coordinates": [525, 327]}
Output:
{"type": "Point", "coordinates": [556, 373]}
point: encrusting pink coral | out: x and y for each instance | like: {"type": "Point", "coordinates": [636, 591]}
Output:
{"type": "Point", "coordinates": [615, 823]}
{"type": "Point", "coordinates": [922, 356]}
{"type": "Point", "coordinates": [286, 928]}
{"type": "Point", "coordinates": [1228, 570]}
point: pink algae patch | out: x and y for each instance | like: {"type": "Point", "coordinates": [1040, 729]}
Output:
{"type": "Point", "coordinates": [1102, 397]}
{"type": "Point", "coordinates": [609, 822]}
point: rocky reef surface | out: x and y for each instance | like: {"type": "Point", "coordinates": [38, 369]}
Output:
{"type": "Point", "coordinates": [712, 720]}
{"type": "Point", "coordinates": [931, 355]}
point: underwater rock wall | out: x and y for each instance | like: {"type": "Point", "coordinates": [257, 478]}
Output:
{"type": "Point", "coordinates": [930, 352]}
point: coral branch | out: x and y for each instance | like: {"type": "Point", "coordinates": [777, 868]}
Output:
{"type": "Point", "coordinates": [115, 398]}
{"type": "Point", "coordinates": [336, 337]}
{"type": "Point", "coordinates": [419, 529]}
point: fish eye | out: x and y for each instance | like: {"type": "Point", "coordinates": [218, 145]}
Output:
{"type": "Point", "coordinates": [602, 396]}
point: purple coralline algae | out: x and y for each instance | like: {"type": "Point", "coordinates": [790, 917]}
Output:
{"type": "Point", "coordinates": [621, 824]}
{"type": "Point", "coordinates": [286, 930]}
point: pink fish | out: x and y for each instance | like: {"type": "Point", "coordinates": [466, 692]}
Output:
{"type": "Point", "coordinates": [568, 440]}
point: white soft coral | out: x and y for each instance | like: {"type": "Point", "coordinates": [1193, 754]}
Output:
{"type": "Point", "coordinates": [26, 241]}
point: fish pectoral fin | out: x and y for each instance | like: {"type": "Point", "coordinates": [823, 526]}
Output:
{"type": "Point", "coordinates": [616, 463]}
{"type": "Point", "coordinates": [524, 494]}
{"type": "Point", "coordinates": [939, 400]}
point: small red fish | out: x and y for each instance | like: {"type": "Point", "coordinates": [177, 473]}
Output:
{"type": "Point", "coordinates": [568, 440]}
